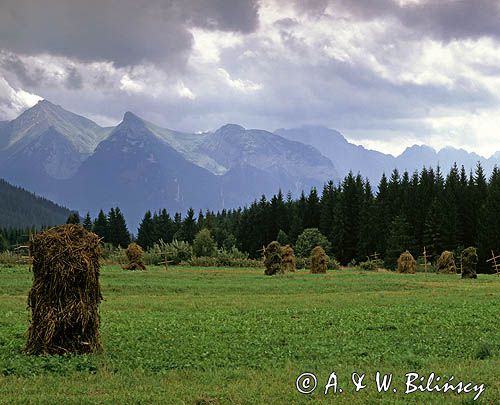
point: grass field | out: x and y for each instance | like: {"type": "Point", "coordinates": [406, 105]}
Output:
{"type": "Point", "coordinates": [201, 336]}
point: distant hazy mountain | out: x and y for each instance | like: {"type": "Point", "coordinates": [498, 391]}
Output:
{"type": "Point", "coordinates": [20, 208]}
{"type": "Point", "coordinates": [372, 164]}
{"type": "Point", "coordinates": [45, 143]}
{"type": "Point", "coordinates": [344, 155]}
{"type": "Point", "coordinates": [139, 166]}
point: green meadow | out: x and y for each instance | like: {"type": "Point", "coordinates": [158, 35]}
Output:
{"type": "Point", "coordinates": [235, 336]}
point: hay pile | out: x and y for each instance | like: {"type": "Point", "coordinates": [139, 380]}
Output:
{"type": "Point", "coordinates": [273, 259]}
{"type": "Point", "coordinates": [135, 256]}
{"type": "Point", "coordinates": [469, 262]}
{"type": "Point", "coordinates": [406, 263]}
{"type": "Point", "coordinates": [319, 260]}
{"type": "Point", "coordinates": [65, 295]}
{"type": "Point", "coordinates": [287, 259]}
{"type": "Point", "coordinates": [446, 263]}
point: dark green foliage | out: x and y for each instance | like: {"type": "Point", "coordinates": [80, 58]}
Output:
{"type": "Point", "coordinates": [469, 262]}
{"type": "Point", "coordinates": [204, 245]}
{"type": "Point", "coordinates": [273, 259]}
{"type": "Point", "coordinates": [400, 239]}
{"type": "Point", "coordinates": [282, 238]}
{"type": "Point", "coordinates": [100, 227]}
{"type": "Point", "coordinates": [146, 233]}
{"type": "Point", "coordinates": [117, 229]}
{"type": "Point", "coordinates": [308, 240]}
{"type": "Point", "coordinates": [87, 222]}
{"type": "Point", "coordinates": [21, 209]}
{"type": "Point", "coordinates": [73, 218]}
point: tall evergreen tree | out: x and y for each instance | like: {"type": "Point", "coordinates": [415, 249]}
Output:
{"type": "Point", "coordinates": [101, 226]}
{"type": "Point", "coordinates": [146, 231]}
{"type": "Point", "coordinates": [87, 222]}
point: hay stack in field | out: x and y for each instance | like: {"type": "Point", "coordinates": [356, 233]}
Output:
{"type": "Point", "coordinates": [135, 256]}
{"type": "Point", "coordinates": [469, 262]}
{"type": "Point", "coordinates": [446, 263]}
{"type": "Point", "coordinates": [319, 260]}
{"type": "Point", "coordinates": [287, 259]}
{"type": "Point", "coordinates": [273, 259]}
{"type": "Point", "coordinates": [406, 263]}
{"type": "Point", "coordinates": [65, 295]}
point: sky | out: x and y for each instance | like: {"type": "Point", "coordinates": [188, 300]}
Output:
{"type": "Point", "coordinates": [386, 73]}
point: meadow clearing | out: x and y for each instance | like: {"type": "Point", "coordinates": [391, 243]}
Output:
{"type": "Point", "coordinates": [225, 335]}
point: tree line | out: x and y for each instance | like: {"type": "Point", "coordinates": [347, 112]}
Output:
{"type": "Point", "coordinates": [406, 212]}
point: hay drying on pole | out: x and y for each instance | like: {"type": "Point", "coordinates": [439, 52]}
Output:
{"type": "Point", "coordinates": [65, 295]}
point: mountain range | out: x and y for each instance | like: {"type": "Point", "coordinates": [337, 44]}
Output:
{"type": "Point", "coordinates": [138, 165]}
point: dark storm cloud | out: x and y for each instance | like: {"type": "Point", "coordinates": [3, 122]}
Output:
{"type": "Point", "coordinates": [441, 19]}
{"type": "Point", "coordinates": [126, 32]}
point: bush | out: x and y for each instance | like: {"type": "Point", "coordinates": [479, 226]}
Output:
{"type": "Point", "coordinates": [8, 259]}
{"type": "Point", "coordinates": [175, 252]}
{"type": "Point", "coordinates": [309, 239]}
{"type": "Point", "coordinates": [371, 265]}
{"type": "Point", "coordinates": [222, 262]}
{"type": "Point", "coordinates": [204, 245]}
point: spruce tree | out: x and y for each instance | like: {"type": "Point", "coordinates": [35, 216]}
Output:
{"type": "Point", "coordinates": [101, 226]}
{"type": "Point", "coordinates": [87, 222]}
{"type": "Point", "coordinates": [145, 233]}
{"type": "Point", "coordinates": [73, 218]}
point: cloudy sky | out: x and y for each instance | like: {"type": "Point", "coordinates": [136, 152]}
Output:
{"type": "Point", "coordinates": [386, 73]}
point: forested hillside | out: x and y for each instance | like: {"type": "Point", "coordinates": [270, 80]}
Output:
{"type": "Point", "coordinates": [20, 209]}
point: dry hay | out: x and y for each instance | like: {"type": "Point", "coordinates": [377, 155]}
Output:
{"type": "Point", "coordinates": [469, 263]}
{"type": "Point", "coordinates": [287, 259]}
{"type": "Point", "coordinates": [446, 263]}
{"type": "Point", "coordinates": [65, 295]}
{"type": "Point", "coordinates": [273, 259]}
{"type": "Point", "coordinates": [135, 256]}
{"type": "Point", "coordinates": [406, 263]}
{"type": "Point", "coordinates": [319, 260]}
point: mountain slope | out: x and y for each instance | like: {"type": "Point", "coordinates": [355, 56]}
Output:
{"type": "Point", "coordinates": [292, 164]}
{"type": "Point", "coordinates": [137, 170]}
{"type": "Point", "coordinates": [46, 142]}
{"type": "Point", "coordinates": [344, 155]}
{"type": "Point", "coordinates": [20, 208]}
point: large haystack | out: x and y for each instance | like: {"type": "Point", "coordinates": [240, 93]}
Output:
{"type": "Point", "coordinates": [319, 260]}
{"type": "Point", "coordinates": [65, 295]}
{"type": "Point", "coordinates": [446, 263]}
{"type": "Point", "coordinates": [406, 263]}
{"type": "Point", "coordinates": [135, 256]}
{"type": "Point", "coordinates": [469, 262]}
{"type": "Point", "coordinates": [287, 259]}
{"type": "Point", "coordinates": [273, 259]}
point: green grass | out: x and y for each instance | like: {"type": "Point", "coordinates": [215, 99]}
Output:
{"type": "Point", "coordinates": [197, 335]}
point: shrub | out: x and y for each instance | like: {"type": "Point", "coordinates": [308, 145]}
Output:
{"type": "Point", "coordinates": [308, 239]}
{"type": "Point", "coordinates": [204, 245]}
{"type": "Point", "coordinates": [319, 260]}
{"type": "Point", "coordinates": [371, 265]}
